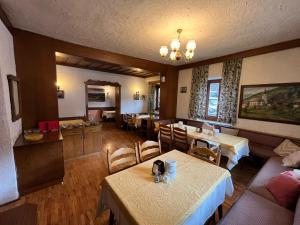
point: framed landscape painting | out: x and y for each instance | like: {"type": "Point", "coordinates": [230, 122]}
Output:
{"type": "Point", "coordinates": [271, 102]}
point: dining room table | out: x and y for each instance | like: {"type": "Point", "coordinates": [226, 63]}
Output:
{"type": "Point", "coordinates": [191, 198]}
{"type": "Point", "coordinates": [138, 119]}
{"type": "Point", "coordinates": [233, 147]}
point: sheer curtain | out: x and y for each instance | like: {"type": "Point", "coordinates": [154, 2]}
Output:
{"type": "Point", "coordinates": [229, 91]}
{"type": "Point", "coordinates": [151, 98]}
{"type": "Point", "coordinates": [197, 104]}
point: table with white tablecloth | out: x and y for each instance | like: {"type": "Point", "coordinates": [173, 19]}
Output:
{"type": "Point", "coordinates": [233, 147]}
{"type": "Point", "coordinates": [190, 199]}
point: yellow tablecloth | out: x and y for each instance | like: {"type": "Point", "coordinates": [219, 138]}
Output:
{"type": "Point", "coordinates": [197, 191]}
{"type": "Point", "coordinates": [233, 147]}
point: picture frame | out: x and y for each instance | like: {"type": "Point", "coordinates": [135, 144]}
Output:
{"type": "Point", "coordinates": [271, 102]}
{"type": "Point", "coordinates": [14, 94]}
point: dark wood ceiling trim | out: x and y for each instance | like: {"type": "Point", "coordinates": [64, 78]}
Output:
{"type": "Point", "coordinates": [5, 20]}
{"type": "Point", "coordinates": [98, 69]}
{"type": "Point", "coordinates": [92, 53]}
{"type": "Point", "coordinates": [243, 54]}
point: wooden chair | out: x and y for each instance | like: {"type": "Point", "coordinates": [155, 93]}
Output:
{"type": "Point", "coordinates": [148, 150]}
{"type": "Point", "coordinates": [130, 121]}
{"type": "Point", "coordinates": [212, 156]}
{"type": "Point", "coordinates": [180, 139]}
{"type": "Point", "coordinates": [121, 159]}
{"type": "Point", "coordinates": [165, 135]}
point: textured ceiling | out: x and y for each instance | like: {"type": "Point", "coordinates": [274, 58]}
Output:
{"type": "Point", "coordinates": [139, 27]}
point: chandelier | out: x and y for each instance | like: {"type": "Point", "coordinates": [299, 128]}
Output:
{"type": "Point", "coordinates": [176, 53]}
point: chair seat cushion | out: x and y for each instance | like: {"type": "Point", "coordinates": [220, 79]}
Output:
{"type": "Point", "coordinates": [271, 169]}
{"type": "Point", "coordinates": [252, 209]}
{"type": "Point", "coordinates": [262, 151]}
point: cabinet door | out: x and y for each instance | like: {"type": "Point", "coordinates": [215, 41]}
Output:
{"type": "Point", "coordinates": [73, 146]}
{"type": "Point", "coordinates": [92, 140]}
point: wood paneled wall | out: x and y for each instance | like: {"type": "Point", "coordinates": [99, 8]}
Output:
{"type": "Point", "coordinates": [168, 94]}
{"type": "Point", "coordinates": [35, 63]}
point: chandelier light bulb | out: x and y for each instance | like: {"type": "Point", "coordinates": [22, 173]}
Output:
{"type": "Point", "coordinates": [189, 54]}
{"type": "Point", "coordinates": [173, 55]}
{"type": "Point", "coordinates": [191, 45]}
{"type": "Point", "coordinates": [176, 54]}
{"type": "Point", "coordinates": [163, 51]}
{"type": "Point", "coordinates": [175, 45]}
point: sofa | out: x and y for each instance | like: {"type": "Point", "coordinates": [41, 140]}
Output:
{"type": "Point", "coordinates": [258, 206]}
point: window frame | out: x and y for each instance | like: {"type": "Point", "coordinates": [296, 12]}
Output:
{"type": "Point", "coordinates": [209, 82]}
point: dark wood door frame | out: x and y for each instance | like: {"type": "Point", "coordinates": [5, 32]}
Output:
{"type": "Point", "coordinates": [117, 96]}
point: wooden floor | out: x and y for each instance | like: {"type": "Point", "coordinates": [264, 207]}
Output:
{"type": "Point", "coordinates": [75, 201]}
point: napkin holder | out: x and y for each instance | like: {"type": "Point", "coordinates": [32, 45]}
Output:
{"type": "Point", "coordinates": [160, 165]}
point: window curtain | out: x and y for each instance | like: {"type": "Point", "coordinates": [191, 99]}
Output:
{"type": "Point", "coordinates": [229, 91]}
{"type": "Point", "coordinates": [197, 104]}
{"type": "Point", "coordinates": [151, 98]}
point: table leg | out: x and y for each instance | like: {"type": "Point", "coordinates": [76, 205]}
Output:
{"type": "Point", "coordinates": [111, 218]}
{"type": "Point", "coordinates": [220, 212]}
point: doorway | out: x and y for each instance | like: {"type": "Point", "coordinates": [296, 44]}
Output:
{"type": "Point", "coordinates": [103, 101]}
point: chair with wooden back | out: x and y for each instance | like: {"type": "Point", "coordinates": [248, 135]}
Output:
{"type": "Point", "coordinates": [148, 150]}
{"type": "Point", "coordinates": [130, 121]}
{"type": "Point", "coordinates": [165, 135]}
{"type": "Point", "coordinates": [180, 139]}
{"type": "Point", "coordinates": [212, 156]}
{"type": "Point", "coordinates": [121, 159]}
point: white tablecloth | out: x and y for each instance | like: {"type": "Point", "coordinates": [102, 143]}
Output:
{"type": "Point", "coordinates": [190, 199]}
{"type": "Point", "coordinates": [233, 147]}
{"type": "Point", "coordinates": [138, 119]}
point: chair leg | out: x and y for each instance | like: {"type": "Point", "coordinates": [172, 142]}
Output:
{"type": "Point", "coordinates": [111, 218]}
{"type": "Point", "coordinates": [220, 212]}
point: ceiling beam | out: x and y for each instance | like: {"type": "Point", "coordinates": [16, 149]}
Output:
{"type": "Point", "coordinates": [92, 53]}
{"type": "Point", "coordinates": [243, 54]}
{"type": "Point", "coordinates": [97, 69]}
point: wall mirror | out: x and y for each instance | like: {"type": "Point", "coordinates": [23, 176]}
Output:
{"type": "Point", "coordinates": [14, 93]}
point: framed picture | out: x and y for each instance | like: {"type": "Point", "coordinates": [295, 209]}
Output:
{"type": "Point", "coordinates": [14, 93]}
{"type": "Point", "coordinates": [271, 102]}
{"type": "Point", "coordinates": [183, 89]}
{"type": "Point", "coordinates": [60, 94]}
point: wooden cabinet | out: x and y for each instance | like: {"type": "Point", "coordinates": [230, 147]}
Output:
{"type": "Point", "coordinates": [39, 164]}
{"type": "Point", "coordinates": [92, 139]}
{"type": "Point", "coordinates": [72, 143]}
{"type": "Point", "coordinates": [81, 141]}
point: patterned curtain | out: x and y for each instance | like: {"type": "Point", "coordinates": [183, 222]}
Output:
{"type": "Point", "coordinates": [198, 92]}
{"type": "Point", "coordinates": [151, 98]}
{"type": "Point", "coordinates": [229, 91]}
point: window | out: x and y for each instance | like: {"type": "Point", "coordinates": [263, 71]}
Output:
{"type": "Point", "coordinates": [212, 101]}
{"type": "Point", "coordinates": [157, 97]}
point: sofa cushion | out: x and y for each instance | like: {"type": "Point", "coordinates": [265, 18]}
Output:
{"type": "Point", "coordinates": [262, 151]}
{"type": "Point", "coordinates": [297, 213]}
{"type": "Point", "coordinates": [252, 209]}
{"type": "Point", "coordinates": [286, 147]}
{"type": "Point", "coordinates": [292, 160]}
{"type": "Point", "coordinates": [285, 188]}
{"type": "Point", "coordinates": [271, 169]}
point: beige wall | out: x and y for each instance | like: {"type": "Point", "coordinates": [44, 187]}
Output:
{"type": "Point", "coordinates": [276, 67]}
{"type": "Point", "coordinates": [9, 130]}
{"type": "Point", "coordinates": [72, 80]}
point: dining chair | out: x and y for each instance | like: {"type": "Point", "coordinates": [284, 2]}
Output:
{"type": "Point", "coordinates": [180, 139]}
{"type": "Point", "coordinates": [121, 159]}
{"type": "Point", "coordinates": [148, 150]}
{"type": "Point", "coordinates": [230, 131]}
{"type": "Point", "coordinates": [130, 121]}
{"type": "Point", "coordinates": [165, 135]}
{"type": "Point", "coordinates": [212, 155]}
